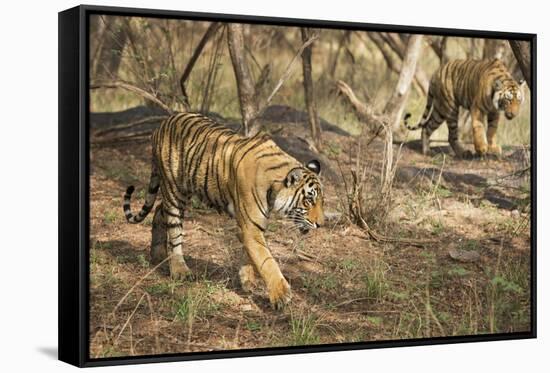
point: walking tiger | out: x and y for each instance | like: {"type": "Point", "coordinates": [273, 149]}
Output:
{"type": "Point", "coordinates": [484, 87]}
{"type": "Point", "coordinates": [248, 178]}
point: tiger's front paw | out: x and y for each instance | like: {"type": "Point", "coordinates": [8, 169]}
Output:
{"type": "Point", "coordinates": [482, 149]}
{"type": "Point", "coordinates": [179, 270]}
{"type": "Point", "coordinates": [279, 294]}
{"type": "Point", "coordinates": [494, 149]}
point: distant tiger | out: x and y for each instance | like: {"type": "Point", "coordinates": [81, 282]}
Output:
{"type": "Point", "coordinates": [248, 178]}
{"type": "Point", "coordinates": [484, 88]}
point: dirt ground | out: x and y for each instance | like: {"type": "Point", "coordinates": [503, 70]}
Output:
{"type": "Point", "coordinates": [346, 287]}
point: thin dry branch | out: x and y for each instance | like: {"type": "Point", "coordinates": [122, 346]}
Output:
{"type": "Point", "coordinates": [394, 50]}
{"type": "Point", "coordinates": [126, 126]}
{"type": "Point", "coordinates": [132, 88]}
{"type": "Point", "coordinates": [138, 282]}
{"type": "Point", "coordinates": [282, 79]}
{"type": "Point", "coordinates": [310, 101]}
{"type": "Point", "coordinates": [128, 319]}
{"type": "Point", "coordinates": [287, 72]}
{"type": "Point", "coordinates": [212, 29]}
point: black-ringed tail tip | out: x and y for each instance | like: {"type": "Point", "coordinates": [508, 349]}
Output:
{"type": "Point", "coordinates": [406, 117]}
{"type": "Point", "coordinates": [126, 204]}
{"type": "Point", "coordinates": [130, 190]}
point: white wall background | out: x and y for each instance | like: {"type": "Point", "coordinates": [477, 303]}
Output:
{"type": "Point", "coordinates": [28, 185]}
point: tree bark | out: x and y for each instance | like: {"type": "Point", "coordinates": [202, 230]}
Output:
{"type": "Point", "coordinates": [395, 105]}
{"type": "Point", "coordinates": [522, 52]}
{"type": "Point", "coordinates": [309, 92]}
{"type": "Point", "coordinates": [245, 85]}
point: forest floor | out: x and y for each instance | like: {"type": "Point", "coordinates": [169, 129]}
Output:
{"type": "Point", "coordinates": [474, 279]}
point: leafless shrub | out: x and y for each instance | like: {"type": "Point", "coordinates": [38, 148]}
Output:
{"type": "Point", "coordinates": [365, 205]}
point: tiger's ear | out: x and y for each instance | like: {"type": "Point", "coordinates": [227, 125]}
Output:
{"type": "Point", "coordinates": [294, 176]}
{"type": "Point", "coordinates": [497, 85]}
{"type": "Point", "coordinates": [314, 166]}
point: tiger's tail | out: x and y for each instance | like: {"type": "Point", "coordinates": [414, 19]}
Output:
{"type": "Point", "coordinates": [425, 117]}
{"type": "Point", "coordinates": [154, 184]}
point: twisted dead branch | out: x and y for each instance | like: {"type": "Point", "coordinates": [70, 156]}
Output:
{"type": "Point", "coordinates": [378, 124]}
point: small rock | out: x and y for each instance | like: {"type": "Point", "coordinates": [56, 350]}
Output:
{"type": "Point", "coordinates": [246, 307]}
{"type": "Point", "coordinates": [515, 213]}
{"type": "Point", "coordinates": [332, 216]}
{"type": "Point", "coordinates": [466, 256]}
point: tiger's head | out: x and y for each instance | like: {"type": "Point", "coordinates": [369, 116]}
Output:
{"type": "Point", "coordinates": [508, 96]}
{"type": "Point", "coordinates": [299, 197]}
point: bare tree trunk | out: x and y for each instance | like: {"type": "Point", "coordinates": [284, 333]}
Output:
{"type": "Point", "coordinates": [114, 37]}
{"type": "Point", "coordinates": [309, 92]}
{"type": "Point", "coordinates": [522, 52]}
{"type": "Point", "coordinates": [439, 46]}
{"type": "Point", "coordinates": [476, 48]}
{"type": "Point", "coordinates": [97, 38]}
{"type": "Point", "coordinates": [391, 60]}
{"type": "Point", "coordinates": [395, 42]}
{"type": "Point", "coordinates": [382, 41]}
{"type": "Point", "coordinates": [395, 105]}
{"type": "Point", "coordinates": [245, 85]}
{"type": "Point", "coordinates": [210, 31]}
{"type": "Point", "coordinates": [435, 43]}
{"type": "Point", "coordinates": [344, 38]}
{"type": "Point", "coordinates": [494, 48]}
{"type": "Point", "coordinates": [399, 47]}
{"type": "Point", "coordinates": [445, 55]}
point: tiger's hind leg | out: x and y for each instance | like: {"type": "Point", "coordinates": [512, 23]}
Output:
{"type": "Point", "coordinates": [460, 152]}
{"type": "Point", "coordinates": [431, 125]}
{"type": "Point", "coordinates": [174, 229]}
{"type": "Point", "coordinates": [158, 237]}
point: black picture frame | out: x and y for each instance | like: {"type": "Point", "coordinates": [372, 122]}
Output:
{"type": "Point", "coordinates": [74, 165]}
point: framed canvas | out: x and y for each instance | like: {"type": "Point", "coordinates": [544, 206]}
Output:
{"type": "Point", "coordinates": [234, 186]}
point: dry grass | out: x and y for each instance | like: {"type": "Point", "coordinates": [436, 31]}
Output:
{"type": "Point", "coordinates": [352, 290]}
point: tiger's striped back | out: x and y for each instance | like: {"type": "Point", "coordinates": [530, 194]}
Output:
{"type": "Point", "coordinates": [197, 156]}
